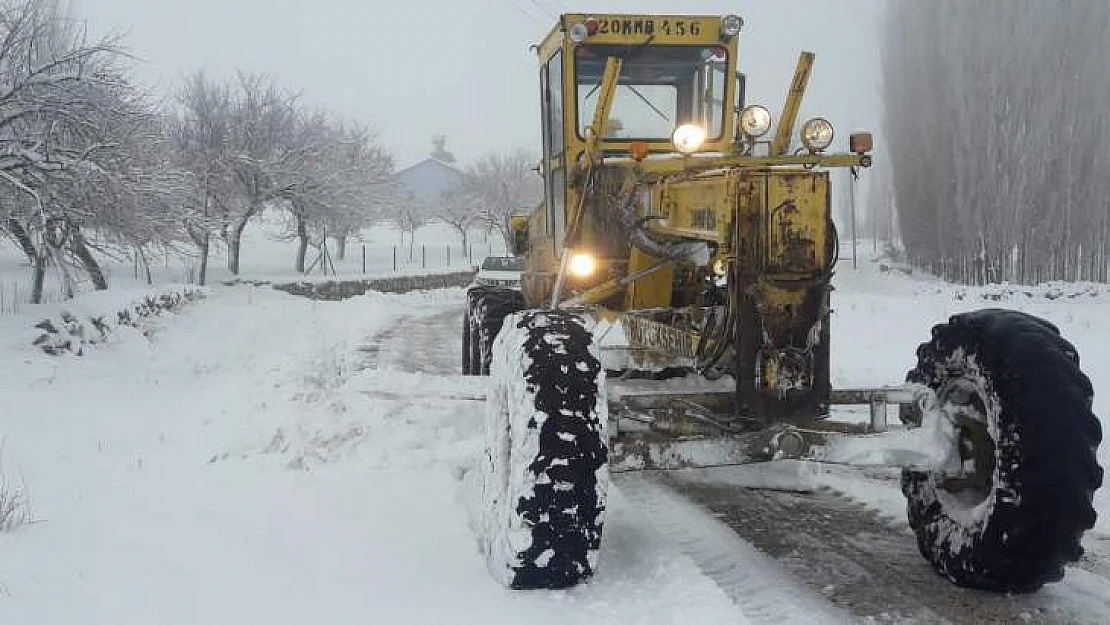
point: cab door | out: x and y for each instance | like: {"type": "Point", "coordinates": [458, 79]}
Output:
{"type": "Point", "coordinates": [547, 228]}
{"type": "Point", "coordinates": [555, 176]}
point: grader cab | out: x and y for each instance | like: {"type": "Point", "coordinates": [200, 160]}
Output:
{"type": "Point", "coordinates": [698, 225]}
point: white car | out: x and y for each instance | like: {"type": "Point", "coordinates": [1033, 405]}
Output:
{"type": "Point", "coordinates": [502, 271]}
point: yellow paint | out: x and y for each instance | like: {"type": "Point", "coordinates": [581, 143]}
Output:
{"type": "Point", "coordinates": [598, 128]}
{"type": "Point", "coordinates": [651, 291]}
{"type": "Point", "coordinates": [792, 104]}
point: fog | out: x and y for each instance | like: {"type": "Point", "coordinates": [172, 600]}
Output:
{"type": "Point", "coordinates": [463, 69]}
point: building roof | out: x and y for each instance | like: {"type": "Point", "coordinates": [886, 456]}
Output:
{"type": "Point", "coordinates": [427, 179]}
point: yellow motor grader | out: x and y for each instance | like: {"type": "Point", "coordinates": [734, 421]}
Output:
{"type": "Point", "coordinates": [698, 226]}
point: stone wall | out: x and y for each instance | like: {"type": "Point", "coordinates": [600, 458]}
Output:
{"type": "Point", "coordinates": [335, 290]}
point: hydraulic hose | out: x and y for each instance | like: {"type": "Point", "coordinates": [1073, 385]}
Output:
{"type": "Point", "coordinates": [642, 238]}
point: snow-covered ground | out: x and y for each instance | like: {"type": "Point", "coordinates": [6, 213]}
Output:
{"type": "Point", "coordinates": [239, 467]}
{"type": "Point", "coordinates": [262, 458]}
{"type": "Point", "coordinates": [268, 255]}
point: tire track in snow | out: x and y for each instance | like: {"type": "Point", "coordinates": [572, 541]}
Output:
{"type": "Point", "coordinates": [759, 586]}
{"type": "Point", "coordinates": [870, 567]}
{"type": "Point", "coordinates": [422, 344]}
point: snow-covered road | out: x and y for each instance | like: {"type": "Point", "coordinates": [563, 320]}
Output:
{"type": "Point", "coordinates": [267, 459]}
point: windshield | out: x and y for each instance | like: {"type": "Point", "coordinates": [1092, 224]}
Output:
{"type": "Point", "coordinates": [660, 88]}
{"type": "Point", "coordinates": [503, 263]}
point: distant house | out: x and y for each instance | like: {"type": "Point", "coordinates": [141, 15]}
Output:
{"type": "Point", "coordinates": [426, 180]}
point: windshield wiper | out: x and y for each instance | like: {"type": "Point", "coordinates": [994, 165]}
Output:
{"type": "Point", "coordinates": [647, 102]}
{"type": "Point", "coordinates": [633, 50]}
{"type": "Point", "coordinates": [592, 91]}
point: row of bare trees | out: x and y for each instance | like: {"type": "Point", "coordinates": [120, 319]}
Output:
{"type": "Point", "coordinates": [89, 163]}
{"type": "Point", "coordinates": [997, 126]}
{"type": "Point", "coordinates": [247, 145]}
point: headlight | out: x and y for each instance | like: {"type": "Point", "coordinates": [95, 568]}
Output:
{"type": "Point", "coordinates": [817, 134]}
{"type": "Point", "coordinates": [731, 25]}
{"type": "Point", "coordinates": [688, 138]}
{"type": "Point", "coordinates": [755, 121]}
{"type": "Point", "coordinates": [581, 265]}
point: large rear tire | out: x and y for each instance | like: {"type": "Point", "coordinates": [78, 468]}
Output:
{"type": "Point", "coordinates": [1010, 376]}
{"type": "Point", "coordinates": [545, 476]}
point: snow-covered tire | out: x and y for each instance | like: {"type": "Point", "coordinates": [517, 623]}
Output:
{"type": "Point", "coordinates": [1025, 380]}
{"type": "Point", "coordinates": [544, 477]}
{"type": "Point", "coordinates": [489, 307]}
{"type": "Point", "coordinates": [470, 354]}
{"type": "Point", "coordinates": [467, 360]}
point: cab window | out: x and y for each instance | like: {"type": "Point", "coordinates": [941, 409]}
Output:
{"type": "Point", "coordinates": [659, 89]}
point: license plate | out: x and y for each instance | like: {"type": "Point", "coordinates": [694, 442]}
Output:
{"type": "Point", "coordinates": [648, 26]}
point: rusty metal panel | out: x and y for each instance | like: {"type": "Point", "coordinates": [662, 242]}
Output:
{"type": "Point", "coordinates": [796, 235]}
{"type": "Point", "coordinates": [699, 208]}
{"type": "Point", "coordinates": [660, 337]}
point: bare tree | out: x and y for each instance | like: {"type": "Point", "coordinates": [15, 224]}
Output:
{"type": "Point", "coordinates": [129, 195]}
{"type": "Point", "coordinates": [461, 211]}
{"type": "Point", "coordinates": [410, 217]}
{"type": "Point", "coordinates": [265, 157]}
{"type": "Point", "coordinates": [341, 189]}
{"type": "Point", "coordinates": [314, 188]}
{"type": "Point", "coordinates": [501, 185]}
{"type": "Point", "coordinates": [201, 135]}
{"type": "Point", "coordinates": [62, 102]}
{"type": "Point", "coordinates": [366, 177]}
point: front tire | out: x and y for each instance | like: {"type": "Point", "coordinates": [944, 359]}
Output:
{"type": "Point", "coordinates": [1012, 528]}
{"type": "Point", "coordinates": [544, 478]}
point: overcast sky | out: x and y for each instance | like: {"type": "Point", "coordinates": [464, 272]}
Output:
{"type": "Point", "coordinates": [462, 68]}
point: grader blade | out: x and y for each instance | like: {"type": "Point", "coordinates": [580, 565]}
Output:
{"type": "Point", "coordinates": [649, 453]}
{"type": "Point", "coordinates": [701, 430]}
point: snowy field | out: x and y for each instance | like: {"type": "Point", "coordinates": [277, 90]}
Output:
{"type": "Point", "coordinates": [267, 255]}
{"type": "Point", "coordinates": [265, 459]}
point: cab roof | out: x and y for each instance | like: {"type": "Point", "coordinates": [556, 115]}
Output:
{"type": "Point", "coordinates": [664, 29]}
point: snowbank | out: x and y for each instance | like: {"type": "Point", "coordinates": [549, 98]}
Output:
{"type": "Point", "coordinates": [66, 332]}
